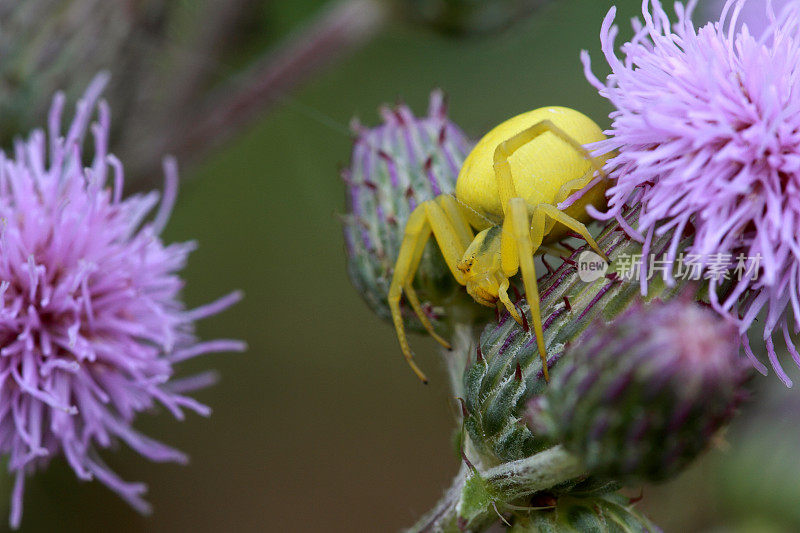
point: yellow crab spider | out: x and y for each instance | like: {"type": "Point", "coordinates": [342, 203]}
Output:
{"type": "Point", "coordinates": [507, 190]}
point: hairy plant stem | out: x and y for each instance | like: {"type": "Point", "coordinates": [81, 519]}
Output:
{"type": "Point", "coordinates": [541, 471]}
{"type": "Point", "coordinates": [514, 480]}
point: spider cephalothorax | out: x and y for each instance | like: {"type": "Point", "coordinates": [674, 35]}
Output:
{"type": "Point", "coordinates": [508, 190]}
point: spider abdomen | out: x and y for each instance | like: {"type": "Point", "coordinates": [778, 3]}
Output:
{"type": "Point", "coordinates": [539, 169]}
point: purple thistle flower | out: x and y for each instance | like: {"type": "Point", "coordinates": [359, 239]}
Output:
{"type": "Point", "coordinates": [707, 134]}
{"type": "Point", "coordinates": [91, 322]}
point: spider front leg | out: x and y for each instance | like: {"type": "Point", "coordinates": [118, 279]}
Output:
{"type": "Point", "coordinates": [517, 250]}
{"type": "Point", "coordinates": [452, 236]}
{"type": "Point", "coordinates": [523, 237]}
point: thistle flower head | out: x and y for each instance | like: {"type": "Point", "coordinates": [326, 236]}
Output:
{"type": "Point", "coordinates": [642, 396]}
{"type": "Point", "coordinates": [91, 323]}
{"type": "Point", "coordinates": [707, 138]}
{"type": "Point", "coordinates": [394, 168]}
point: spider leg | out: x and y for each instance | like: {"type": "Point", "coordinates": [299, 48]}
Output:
{"type": "Point", "coordinates": [571, 186]}
{"type": "Point", "coordinates": [520, 226]}
{"type": "Point", "coordinates": [553, 213]}
{"type": "Point", "coordinates": [449, 239]}
{"type": "Point", "coordinates": [556, 250]}
{"type": "Point", "coordinates": [450, 206]}
{"type": "Point", "coordinates": [429, 217]}
{"type": "Point", "coordinates": [413, 299]}
{"type": "Point", "coordinates": [502, 293]}
{"type": "Point", "coordinates": [417, 230]}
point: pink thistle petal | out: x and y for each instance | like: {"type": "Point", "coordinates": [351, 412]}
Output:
{"type": "Point", "coordinates": [91, 320]}
{"type": "Point", "coordinates": [706, 130]}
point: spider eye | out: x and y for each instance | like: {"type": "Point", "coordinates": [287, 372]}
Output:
{"type": "Point", "coordinates": [465, 266]}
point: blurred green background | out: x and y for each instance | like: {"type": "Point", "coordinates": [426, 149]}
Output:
{"type": "Point", "coordinates": [320, 425]}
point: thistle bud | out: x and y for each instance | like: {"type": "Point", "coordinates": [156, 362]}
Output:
{"type": "Point", "coordinates": [394, 168]}
{"type": "Point", "coordinates": [642, 396]}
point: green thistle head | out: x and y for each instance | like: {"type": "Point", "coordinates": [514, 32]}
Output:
{"type": "Point", "coordinates": [642, 396]}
